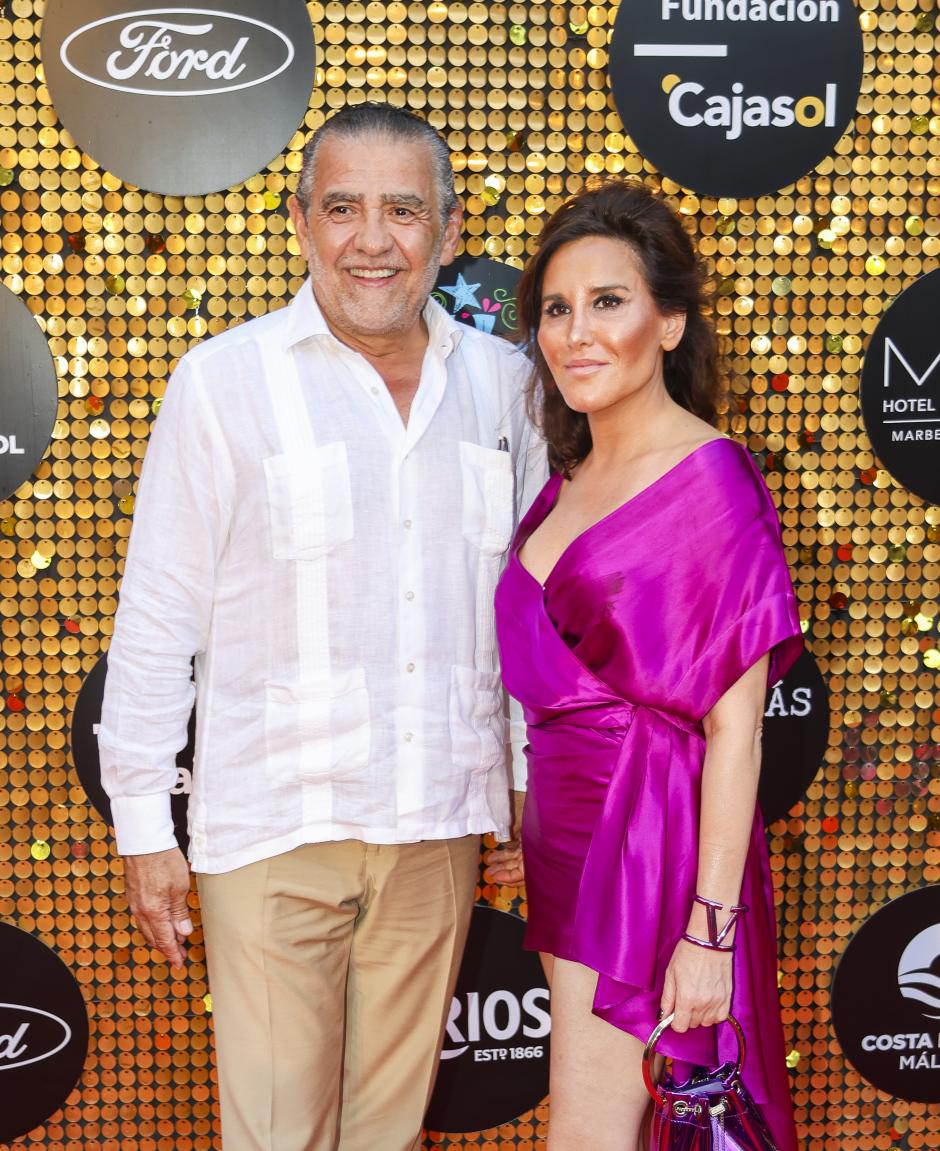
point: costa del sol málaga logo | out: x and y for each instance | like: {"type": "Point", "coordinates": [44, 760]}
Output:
{"type": "Point", "coordinates": [916, 980]}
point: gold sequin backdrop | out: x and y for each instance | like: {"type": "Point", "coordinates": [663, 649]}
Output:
{"type": "Point", "coordinates": [124, 281]}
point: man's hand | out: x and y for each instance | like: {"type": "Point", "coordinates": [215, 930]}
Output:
{"type": "Point", "coordinates": [504, 863]}
{"type": "Point", "coordinates": [157, 887]}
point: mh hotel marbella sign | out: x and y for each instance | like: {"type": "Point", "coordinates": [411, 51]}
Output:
{"type": "Point", "coordinates": [183, 99]}
{"type": "Point", "coordinates": [736, 98]}
{"type": "Point", "coordinates": [900, 388]}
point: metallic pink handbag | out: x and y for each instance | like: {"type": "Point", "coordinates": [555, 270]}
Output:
{"type": "Point", "coordinates": [710, 1111]}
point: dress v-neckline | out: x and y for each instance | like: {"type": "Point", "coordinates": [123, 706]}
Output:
{"type": "Point", "coordinates": [552, 495]}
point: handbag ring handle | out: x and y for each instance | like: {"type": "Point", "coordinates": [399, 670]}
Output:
{"type": "Point", "coordinates": [650, 1050]}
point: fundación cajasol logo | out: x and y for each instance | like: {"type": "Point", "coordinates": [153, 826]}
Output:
{"type": "Point", "coordinates": [886, 997]}
{"type": "Point", "coordinates": [28, 393]}
{"type": "Point", "coordinates": [43, 1032]}
{"type": "Point", "coordinates": [736, 97]}
{"type": "Point", "coordinates": [494, 1063]}
{"type": "Point", "coordinates": [180, 98]}
{"type": "Point", "coordinates": [900, 388]}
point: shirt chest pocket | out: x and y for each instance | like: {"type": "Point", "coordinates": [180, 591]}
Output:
{"type": "Point", "coordinates": [488, 490]}
{"type": "Point", "coordinates": [309, 502]}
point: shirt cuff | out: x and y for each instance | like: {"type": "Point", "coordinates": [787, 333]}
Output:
{"type": "Point", "coordinates": [143, 824]}
{"type": "Point", "coordinates": [520, 767]}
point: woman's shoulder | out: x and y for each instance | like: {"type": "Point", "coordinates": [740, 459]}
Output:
{"type": "Point", "coordinates": [719, 452]}
{"type": "Point", "coordinates": [713, 455]}
{"type": "Point", "coordinates": [725, 469]}
{"type": "Point", "coordinates": [689, 434]}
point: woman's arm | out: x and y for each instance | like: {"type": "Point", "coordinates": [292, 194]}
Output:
{"type": "Point", "coordinates": [698, 980]}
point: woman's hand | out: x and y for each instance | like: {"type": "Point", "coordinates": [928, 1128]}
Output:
{"type": "Point", "coordinates": [698, 986]}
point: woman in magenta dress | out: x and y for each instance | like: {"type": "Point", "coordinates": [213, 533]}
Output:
{"type": "Point", "coordinates": [645, 606]}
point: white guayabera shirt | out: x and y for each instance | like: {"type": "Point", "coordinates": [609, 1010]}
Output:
{"type": "Point", "coordinates": [332, 571]}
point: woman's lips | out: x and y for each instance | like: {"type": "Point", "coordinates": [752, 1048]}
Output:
{"type": "Point", "coordinates": [584, 365]}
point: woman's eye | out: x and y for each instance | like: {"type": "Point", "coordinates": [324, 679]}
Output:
{"type": "Point", "coordinates": [608, 301]}
{"type": "Point", "coordinates": [555, 309]}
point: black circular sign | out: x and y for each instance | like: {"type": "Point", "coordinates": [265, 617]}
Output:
{"type": "Point", "coordinates": [481, 293]}
{"type": "Point", "coordinates": [28, 393]}
{"type": "Point", "coordinates": [736, 97]}
{"type": "Point", "coordinates": [901, 388]}
{"type": "Point", "coordinates": [180, 98]}
{"type": "Point", "coordinates": [886, 998]}
{"type": "Point", "coordinates": [796, 732]}
{"type": "Point", "coordinates": [85, 721]}
{"type": "Point", "coordinates": [494, 1064]}
{"type": "Point", "coordinates": [43, 1032]}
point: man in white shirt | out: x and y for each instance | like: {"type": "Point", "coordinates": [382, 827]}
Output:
{"type": "Point", "coordinates": [325, 505]}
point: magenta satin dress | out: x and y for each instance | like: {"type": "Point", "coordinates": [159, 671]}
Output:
{"type": "Point", "coordinates": [646, 620]}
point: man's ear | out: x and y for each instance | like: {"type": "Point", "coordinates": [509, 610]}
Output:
{"type": "Point", "coordinates": [299, 220]}
{"type": "Point", "coordinates": [673, 330]}
{"type": "Point", "coordinates": [451, 235]}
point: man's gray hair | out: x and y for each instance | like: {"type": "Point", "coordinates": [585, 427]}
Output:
{"type": "Point", "coordinates": [375, 119]}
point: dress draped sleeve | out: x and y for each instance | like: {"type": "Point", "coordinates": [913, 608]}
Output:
{"type": "Point", "coordinates": [751, 609]}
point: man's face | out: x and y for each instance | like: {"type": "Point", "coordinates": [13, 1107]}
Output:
{"type": "Point", "coordinates": [373, 237]}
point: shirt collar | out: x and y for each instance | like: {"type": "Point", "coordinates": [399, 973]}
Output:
{"type": "Point", "coordinates": [305, 320]}
{"type": "Point", "coordinates": [444, 331]}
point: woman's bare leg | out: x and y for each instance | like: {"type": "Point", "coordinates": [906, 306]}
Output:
{"type": "Point", "coordinates": [547, 963]}
{"type": "Point", "coordinates": [598, 1100]}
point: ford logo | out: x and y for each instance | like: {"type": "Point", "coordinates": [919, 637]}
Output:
{"type": "Point", "coordinates": [177, 52]}
{"type": "Point", "coordinates": [29, 1035]}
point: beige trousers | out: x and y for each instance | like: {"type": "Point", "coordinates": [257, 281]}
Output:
{"type": "Point", "coordinates": [331, 969]}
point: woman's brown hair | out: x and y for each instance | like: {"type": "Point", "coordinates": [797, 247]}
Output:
{"type": "Point", "coordinates": [626, 211]}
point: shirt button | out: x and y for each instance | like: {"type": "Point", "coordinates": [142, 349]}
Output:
{"type": "Point", "coordinates": [409, 736]}
{"type": "Point", "coordinates": [407, 523]}
{"type": "Point", "coordinates": [374, 390]}
{"type": "Point", "coordinates": [409, 667]}
{"type": "Point", "coordinates": [409, 595]}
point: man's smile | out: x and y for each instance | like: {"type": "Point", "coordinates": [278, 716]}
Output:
{"type": "Point", "coordinates": [373, 273]}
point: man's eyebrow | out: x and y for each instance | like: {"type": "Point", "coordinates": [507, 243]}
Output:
{"type": "Point", "coordinates": [340, 197]}
{"type": "Point", "coordinates": [404, 199]}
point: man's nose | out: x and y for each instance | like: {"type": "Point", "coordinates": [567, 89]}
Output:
{"type": "Point", "coordinates": [373, 234]}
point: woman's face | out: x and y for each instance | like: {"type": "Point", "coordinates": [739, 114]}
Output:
{"type": "Point", "coordinates": [600, 331]}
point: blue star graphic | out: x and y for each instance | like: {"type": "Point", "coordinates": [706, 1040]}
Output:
{"type": "Point", "coordinates": [464, 294]}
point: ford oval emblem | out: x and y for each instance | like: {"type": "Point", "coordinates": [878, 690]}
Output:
{"type": "Point", "coordinates": [29, 1035]}
{"type": "Point", "coordinates": [178, 52]}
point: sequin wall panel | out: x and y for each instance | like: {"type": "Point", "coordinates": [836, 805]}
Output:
{"type": "Point", "coordinates": [124, 281]}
